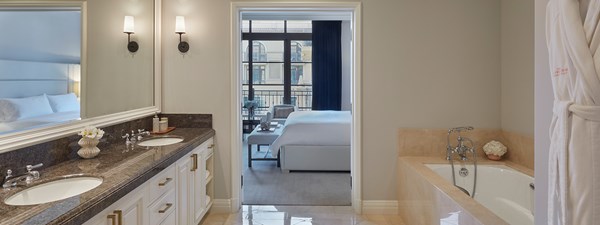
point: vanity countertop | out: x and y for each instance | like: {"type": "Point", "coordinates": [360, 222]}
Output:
{"type": "Point", "coordinates": [122, 168]}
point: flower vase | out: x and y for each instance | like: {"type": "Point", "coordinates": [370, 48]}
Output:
{"type": "Point", "coordinates": [88, 148]}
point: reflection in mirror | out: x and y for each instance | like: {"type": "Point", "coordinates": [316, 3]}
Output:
{"type": "Point", "coordinates": [40, 72]}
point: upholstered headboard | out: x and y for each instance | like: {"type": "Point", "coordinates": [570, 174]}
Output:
{"type": "Point", "coordinates": [22, 79]}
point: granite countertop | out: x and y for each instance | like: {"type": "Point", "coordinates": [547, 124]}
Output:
{"type": "Point", "coordinates": [122, 168]}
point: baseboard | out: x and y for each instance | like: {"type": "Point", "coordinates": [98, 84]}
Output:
{"type": "Point", "coordinates": [379, 207]}
{"type": "Point", "coordinates": [221, 206]}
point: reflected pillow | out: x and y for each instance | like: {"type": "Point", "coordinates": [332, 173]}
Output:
{"type": "Point", "coordinates": [64, 103]}
{"type": "Point", "coordinates": [22, 108]}
{"type": "Point", "coordinates": [8, 111]}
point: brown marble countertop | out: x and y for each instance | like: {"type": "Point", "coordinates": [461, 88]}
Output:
{"type": "Point", "coordinates": [122, 168]}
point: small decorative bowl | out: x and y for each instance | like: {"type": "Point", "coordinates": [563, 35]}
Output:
{"type": "Point", "coordinates": [494, 157]}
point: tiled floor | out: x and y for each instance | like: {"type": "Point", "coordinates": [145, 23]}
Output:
{"type": "Point", "coordinates": [299, 215]}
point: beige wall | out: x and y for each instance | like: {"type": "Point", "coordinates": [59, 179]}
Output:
{"type": "Point", "coordinates": [517, 65]}
{"type": "Point", "coordinates": [117, 80]}
{"type": "Point", "coordinates": [426, 63]}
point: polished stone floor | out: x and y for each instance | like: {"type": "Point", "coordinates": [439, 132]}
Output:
{"type": "Point", "coordinates": [299, 215]}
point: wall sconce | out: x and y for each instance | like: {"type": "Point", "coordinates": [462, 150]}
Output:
{"type": "Point", "coordinates": [180, 29]}
{"type": "Point", "coordinates": [128, 28]}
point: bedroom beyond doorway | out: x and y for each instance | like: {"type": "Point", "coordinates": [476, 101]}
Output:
{"type": "Point", "coordinates": [296, 76]}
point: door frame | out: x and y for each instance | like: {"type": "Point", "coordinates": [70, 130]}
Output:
{"type": "Point", "coordinates": [236, 86]}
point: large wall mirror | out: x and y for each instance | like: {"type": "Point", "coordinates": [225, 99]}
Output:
{"type": "Point", "coordinates": [66, 64]}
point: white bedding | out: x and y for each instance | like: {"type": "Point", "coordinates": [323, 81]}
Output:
{"type": "Point", "coordinates": [313, 128]}
{"type": "Point", "coordinates": [38, 121]}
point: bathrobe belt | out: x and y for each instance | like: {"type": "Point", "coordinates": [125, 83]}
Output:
{"type": "Point", "coordinates": [558, 153]}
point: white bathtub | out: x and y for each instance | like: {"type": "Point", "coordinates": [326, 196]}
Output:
{"type": "Point", "coordinates": [504, 191]}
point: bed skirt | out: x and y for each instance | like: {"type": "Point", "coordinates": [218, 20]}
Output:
{"type": "Point", "coordinates": [315, 158]}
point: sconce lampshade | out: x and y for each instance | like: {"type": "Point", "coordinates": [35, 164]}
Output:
{"type": "Point", "coordinates": [180, 24]}
{"type": "Point", "coordinates": [128, 26]}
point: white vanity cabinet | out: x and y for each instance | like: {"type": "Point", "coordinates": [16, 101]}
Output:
{"type": "Point", "coordinates": [180, 194]}
{"type": "Point", "coordinates": [129, 210]}
{"type": "Point", "coordinates": [192, 197]}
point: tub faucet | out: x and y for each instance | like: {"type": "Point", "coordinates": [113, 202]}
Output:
{"type": "Point", "coordinates": [461, 149]}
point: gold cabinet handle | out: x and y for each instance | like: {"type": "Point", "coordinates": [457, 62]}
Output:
{"type": "Point", "coordinates": [194, 162]}
{"type": "Point", "coordinates": [119, 214]}
{"type": "Point", "coordinates": [167, 207]}
{"type": "Point", "coordinates": [113, 218]}
{"type": "Point", "coordinates": [211, 146]}
{"type": "Point", "coordinates": [165, 182]}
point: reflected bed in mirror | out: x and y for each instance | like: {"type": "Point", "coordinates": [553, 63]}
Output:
{"type": "Point", "coordinates": [111, 84]}
{"type": "Point", "coordinates": [40, 72]}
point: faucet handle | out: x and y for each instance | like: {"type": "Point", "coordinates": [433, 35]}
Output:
{"type": "Point", "coordinates": [8, 173]}
{"type": "Point", "coordinates": [30, 167]}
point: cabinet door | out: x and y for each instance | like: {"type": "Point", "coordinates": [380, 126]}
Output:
{"type": "Point", "coordinates": [198, 186]}
{"type": "Point", "coordinates": [184, 182]}
{"type": "Point", "coordinates": [126, 211]}
{"type": "Point", "coordinates": [132, 212]}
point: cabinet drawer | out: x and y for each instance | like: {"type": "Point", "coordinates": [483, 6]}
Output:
{"type": "Point", "coordinates": [161, 183]}
{"type": "Point", "coordinates": [162, 208]}
{"type": "Point", "coordinates": [170, 220]}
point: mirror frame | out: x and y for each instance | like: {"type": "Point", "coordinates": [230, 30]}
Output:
{"type": "Point", "coordinates": [21, 139]}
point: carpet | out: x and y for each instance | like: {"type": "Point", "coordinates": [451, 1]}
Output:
{"type": "Point", "coordinates": [265, 184]}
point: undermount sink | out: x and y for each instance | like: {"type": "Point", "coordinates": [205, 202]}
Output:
{"type": "Point", "coordinates": [54, 190]}
{"type": "Point", "coordinates": [160, 141]}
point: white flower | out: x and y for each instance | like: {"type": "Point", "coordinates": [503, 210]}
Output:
{"type": "Point", "coordinates": [494, 148]}
{"type": "Point", "coordinates": [91, 132]}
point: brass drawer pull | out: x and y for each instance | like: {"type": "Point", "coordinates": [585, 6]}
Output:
{"type": "Point", "coordinates": [113, 218]}
{"type": "Point", "coordinates": [167, 207]}
{"type": "Point", "coordinates": [194, 162]}
{"type": "Point", "coordinates": [165, 182]}
{"type": "Point", "coordinates": [119, 216]}
{"type": "Point", "coordinates": [211, 146]}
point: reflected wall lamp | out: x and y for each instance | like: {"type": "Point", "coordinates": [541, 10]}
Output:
{"type": "Point", "coordinates": [128, 28]}
{"type": "Point", "coordinates": [180, 29]}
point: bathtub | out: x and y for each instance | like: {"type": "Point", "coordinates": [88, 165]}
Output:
{"type": "Point", "coordinates": [426, 194]}
{"type": "Point", "coordinates": [501, 189]}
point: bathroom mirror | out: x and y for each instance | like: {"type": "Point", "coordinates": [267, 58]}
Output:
{"type": "Point", "coordinates": [66, 64]}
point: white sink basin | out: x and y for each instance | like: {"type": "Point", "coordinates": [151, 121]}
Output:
{"type": "Point", "coordinates": [54, 191]}
{"type": "Point", "coordinates": [160, 141]}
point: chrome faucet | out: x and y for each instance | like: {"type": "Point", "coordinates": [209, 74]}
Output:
{"type": "Point", "coordinates": [27, 178]}
{"type": "Point", "coordinates": [131, 139]}
{"type": "Point", "coordinates": [461, 149]}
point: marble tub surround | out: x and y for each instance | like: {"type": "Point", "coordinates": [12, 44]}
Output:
{"type": "Point", "coordinates": [432, 143]}
{"type": "Point", "coordinates": [122, 168]}
{"type": "Point", "coordinates": [520, 148]}
{"type": "Point", "coordinates": [426, 198]}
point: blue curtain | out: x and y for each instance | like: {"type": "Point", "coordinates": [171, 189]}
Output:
{"type": "Point", "coordinates": [327, 65]}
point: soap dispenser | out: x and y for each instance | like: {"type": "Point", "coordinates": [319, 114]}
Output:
{"type": "Point", "coordinates": [155, 123]}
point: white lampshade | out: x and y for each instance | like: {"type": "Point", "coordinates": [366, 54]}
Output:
{"type": "Point", "coordinates": [179, 24]}
{"type": "Point", "coordinates": [128, 26]}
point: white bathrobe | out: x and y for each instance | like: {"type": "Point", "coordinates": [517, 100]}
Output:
{"type": "Point", "coordinates": [573, 35]}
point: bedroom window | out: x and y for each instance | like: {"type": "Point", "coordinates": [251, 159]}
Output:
{"type": "Point", "coordinates": [281, 63]}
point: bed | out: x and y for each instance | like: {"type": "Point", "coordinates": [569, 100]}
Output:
{"type": "Point", "coordinates": [315, 141]}
{"type": "Point", "coordinates": [35, 94]}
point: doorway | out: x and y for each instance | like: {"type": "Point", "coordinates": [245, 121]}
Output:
{"type": "Point", "coordinates": [288, 80]}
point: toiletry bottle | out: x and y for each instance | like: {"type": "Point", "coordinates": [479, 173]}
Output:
{"type": "Point", "coordinates": [155, 123]}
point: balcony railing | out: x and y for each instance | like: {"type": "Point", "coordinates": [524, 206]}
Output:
{"type": "Point", "coordinates": [268, 98]}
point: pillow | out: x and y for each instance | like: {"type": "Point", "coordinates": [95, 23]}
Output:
{"type": "Point", "coordinates": [282, 111]}
{"type": "Point", "coordinates": [28, 107]}
{"type": "Point", "coordinates": [64, 103]}
{"type": "Point", "coordinates": [8, 111]}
